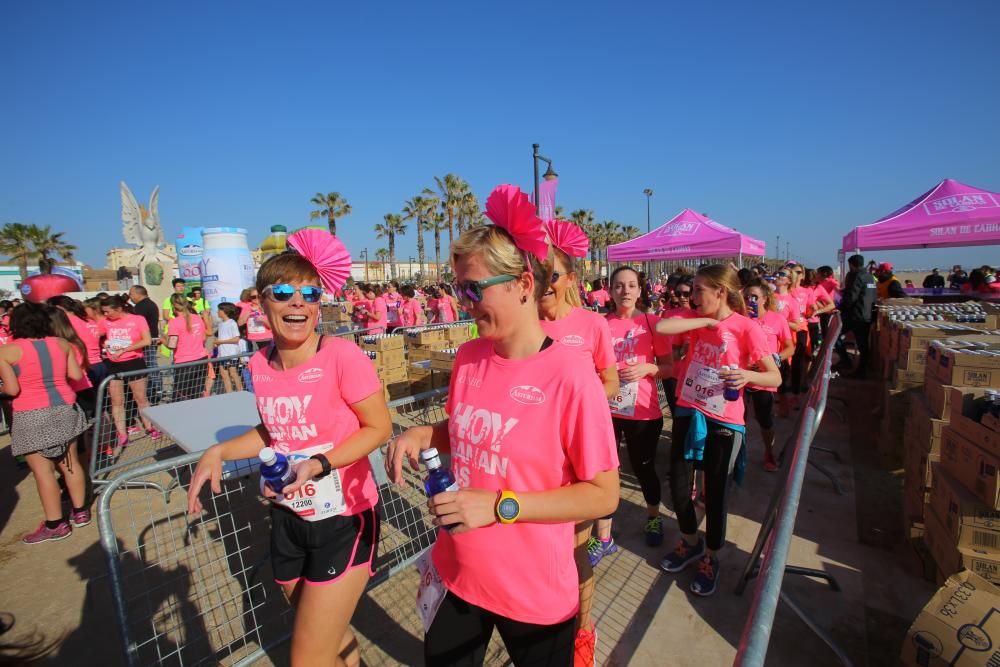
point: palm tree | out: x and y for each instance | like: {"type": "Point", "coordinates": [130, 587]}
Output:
{"type": "Point", "coordinates": [393, 226]}
{"type": "Point", "coordinates": [559, 212]}
{"type": "Point", "coordinates": [584, 219]}
{"type": "Point", "coordinates": [610, 233]}
{"type": "Point", "coordinates": [469, 213]}
{"type": "Point", "coordinates": [450, 189]}
{"type": "Point", "coordinates": [437, 223]}
{"type": "Point", "coordinates": [46, 244]}
{"type": "Point", "coordinates": [15, 242]}
{"type": "Point", "coordinates": [421, 208]}
{"type": "Point", "coordinates": [631, 232]}
{"type": "Point", "coordinates": [382, 255]}
{"type": "Point", "coordinates": [332, 206]}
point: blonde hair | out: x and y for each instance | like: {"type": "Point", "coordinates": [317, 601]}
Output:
{"type": "Point", "coordinates": [722, 276]}
{"type": "Point", "coordinates": [573, 290]}
{"type": "Point", "coordinates": [179, 304]}
{"type": "Point", "coordinates": [502, 258]}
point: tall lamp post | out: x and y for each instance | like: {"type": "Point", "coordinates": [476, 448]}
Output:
{"type": "Point", "coordinates": [548, 175]}
{"type": "Point", "coordinates": [410, 265]}
{"type": "Point", "coordinates": [649, 195]}
{"type": "Point", "coordinates": [365, 253]}
{"type": "Point", "coordinates": [777, 248]}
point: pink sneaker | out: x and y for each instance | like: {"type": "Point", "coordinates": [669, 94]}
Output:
{"type": "Point", "coordinates": [79, 519]}
{"type": "Point", "coordinates": [154, 434]}
{"type": "Point", "coordinates": [132, 430]}
{"type": "Point", "coordinates": [46, 534]}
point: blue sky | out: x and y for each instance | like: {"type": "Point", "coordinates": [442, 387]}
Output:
{"type": "Point", "coordinates": [790, 118]}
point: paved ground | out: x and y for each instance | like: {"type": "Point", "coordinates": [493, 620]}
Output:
{"type": "Point", "coordinates": [645, 617]}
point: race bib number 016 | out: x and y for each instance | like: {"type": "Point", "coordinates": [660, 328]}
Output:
{"type": "Point", "coordinates": [704, 388]}
{"type": "Point", "coordinates": [623, 403]}
{"type": "Point", "coordinates": [316, 499]}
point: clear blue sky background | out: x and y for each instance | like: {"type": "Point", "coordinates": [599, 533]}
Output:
{"type": "Point", "coordinates": [790, 118]}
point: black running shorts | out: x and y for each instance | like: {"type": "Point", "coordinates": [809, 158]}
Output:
{"type": "Point", "coordinates": [322, 551]}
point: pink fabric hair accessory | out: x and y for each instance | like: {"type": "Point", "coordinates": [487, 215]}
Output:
{"type": "Point", "coordinates": [510, 209]}
{"type": "Point", "coordinates": [327, 253]}
{"type": "Point", "coordinates": [568, 237]}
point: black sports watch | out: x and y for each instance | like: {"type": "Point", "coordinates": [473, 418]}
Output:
{"type": "Point", "coordinates": [323, 461]}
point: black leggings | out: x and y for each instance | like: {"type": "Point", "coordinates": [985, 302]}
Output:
{"type": "Point", "coordinates": [670, 389]}
{"type": "Point", "coordinates": [763, 406]}
{"type": "Point", "coordinates": [793, 375]}
{"type": "Point", "coordinates": [721, 447]}
{"type": "Point", "coordinates": [641, 439]}
{"type": "Point", "coordinates": [461, 632]}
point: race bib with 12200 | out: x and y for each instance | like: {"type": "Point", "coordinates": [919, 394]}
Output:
{"type": "Point", "coordinates": [317, 499]}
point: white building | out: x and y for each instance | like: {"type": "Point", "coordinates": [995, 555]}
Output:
{"type": "Point", "coordinates": [10, 278]}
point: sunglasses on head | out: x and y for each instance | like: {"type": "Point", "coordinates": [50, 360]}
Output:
{"type": "Point", "coordinates": [782, 274]}
{"type": "Point", "coordinates": [285, 292]}
{"type": "Point", "coordinates": [472, 290]}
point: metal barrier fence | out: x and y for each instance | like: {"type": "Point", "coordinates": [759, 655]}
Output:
{"type": "Point", "coordinates": [192, 590]}
{"type": "Point", "coordinates": [769, 558]}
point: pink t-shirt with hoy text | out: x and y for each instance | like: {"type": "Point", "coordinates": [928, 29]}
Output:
{"type": "Point", "coordinates": [776, 333]}
{"type": "Point", "coordinates": [634, 342]}
{"type": "Point", "coordinates": [310, 405]}
{"type": "Point", "coordinates": [523, 425]}
{"type": "Point", "coordinates": [123, 332]}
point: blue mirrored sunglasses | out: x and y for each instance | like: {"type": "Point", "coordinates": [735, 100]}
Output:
{"type": "Point", "coordinates": [285, 292]}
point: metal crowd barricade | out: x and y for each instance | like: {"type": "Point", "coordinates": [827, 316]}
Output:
{"type": "Point", "coordinates": [179, 382]}
{"type": "Point", "coordinates": [768, 560]}
{"type": "Point", "coordinates": [193, 590]}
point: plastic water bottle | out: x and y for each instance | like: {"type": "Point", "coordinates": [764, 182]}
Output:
{"type": "Point", "coordinates": [752, 308]}
{"type": "Point", "coordinates": [274, 469]}
{"type": "Point", "coordinates": [730, 393]}
{"type": "Point", "coordinates": [439, 479]}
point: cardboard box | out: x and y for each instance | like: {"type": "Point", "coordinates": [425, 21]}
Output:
{"type": "Point", "coordinates": [917, 466]}
{"type": "Point", "coordinates": [967, 404]}
{"type": "Point", "coordinates": [392, 375]}
{"type": "Point", "coordinates": [422, 385]}
{"type": "Point", "coordinates": [395, 390]}
{"type": "Point", "coordinates": [458, 334]}
{"type": "Point", "coordinates": [915, 499]}
{"type": "Point", "coordinates": [960, 626]}
{"type": "Point", "coordinates": [974, 468]}
{"type": "Point", "coordinates": [908, 378]}
{"type": "Point", "coordinates": [425, 336]}
{"type": "Point", "coordinates": [423, 352]}
{"type": "Point", "coordinates": [925, 430]}
{"type": "Point", "coordinates": [938, 397]}
{"type": "Point", "coordinates": [913, 359]}
{"type": "Point", "coordinates": [950, 558]}
{"type": "Point", "coordinates": [971, 523]}
{"type": "Point", "coordinates": [390, 358]}
{"type": "Point", "coordinates": [417, 372]}
{"type": "Point", "coordinates": [382, 344]}
{"type": "Point", "coordinates": [968, 368]}
{"type": "Point", "coordinates": [441, 379]}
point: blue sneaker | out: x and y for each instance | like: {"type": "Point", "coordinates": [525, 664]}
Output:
{"type": "Point", "coordinates": [682, 556]}
{"type": "Point", "coordinates": [705, 581]}
{"type": "Point", "coordinates": [598, 549]}
{"type": "Point", "coordinates": [654, 531]}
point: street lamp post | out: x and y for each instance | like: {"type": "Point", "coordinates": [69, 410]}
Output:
{"type": "Point", "coordinates": [649, 195]}
{"type": "Point", "coordinates": [411, 269]}
{"type": "Point", "coordinates": [788, 252]}
{"type": "Point", "coordinates": [548, 175]}
{"type": "Point", "coordinates": [365, 253]}
{"type": "Point", "coordinates": [777, 248]}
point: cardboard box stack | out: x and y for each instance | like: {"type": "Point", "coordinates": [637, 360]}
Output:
{"type": "Point", "coordinates": [959, 626]}
{"type": "Point", "coordinates": [335, 312]}
{"type": "Point", "coordinates": [959, 410]}
{"type": "Point", "coordinates": [421, 341]}
{"type": "Point", "coordinates": [389, 356]}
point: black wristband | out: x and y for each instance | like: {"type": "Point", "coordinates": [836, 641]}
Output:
{"type": "Point", "coordinates": [323, 461]}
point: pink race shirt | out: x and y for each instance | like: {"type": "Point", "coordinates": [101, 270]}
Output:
{"type": "Point", "coordinates": [634, 342]}
{"type": "Point", "coordinates": [598, 297]}
{"type": "Point", "coordinates": [816, 294]}
{"type": "Point", "coordinates": [524, 425]}
{"type": "Point", "coordinates": [257, 326]}
{"type": "Point", "coordinates": [378, 318]}
{"type": "Point", "coordinates": [585, 331]}
{"type": "Point", "coordinates": [123, 332]}
{"type": "Point", "coordinates": [737, 340]}
{"type": "Point", "coordinates": [190, 344]}
{"type": "Point", "coordinates": [310, 405]}
{"type": "Point", "coordinates": [41, 372]}
{"type": "Point", "coordinates": [776, 333]}
{"type": "Point", "coordinates": [445, 309]}
{"type": "Point", "coordinates": [804, 297]}
{"type": "Point", "coordinates": [87, 331]}
{"type": "Point", "coordinates": [788, 306]}
{"type": "Point", "coordinates": [411, 314]}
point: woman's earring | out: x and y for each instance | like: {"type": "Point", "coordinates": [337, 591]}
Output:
{"type": "Point", "coordinates": [524, 299]}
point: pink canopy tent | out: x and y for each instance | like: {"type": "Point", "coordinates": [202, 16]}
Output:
{"type": "Point", "coordinates": [950, 214]}
{"type": "Point", "coordinates": [688, 235]}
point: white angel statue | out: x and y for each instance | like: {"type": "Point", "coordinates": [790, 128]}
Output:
{"type": "Point", "coordinates": [142, 228]}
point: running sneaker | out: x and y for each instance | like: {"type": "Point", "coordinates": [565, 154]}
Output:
{"type": "Point", "coordinates": [683, 555]}
{"type": "Point", "coordinates": [705, 581]}
{"type": "Point", "coordinates": [154, 434]}
{"type": "Point", "coordinates": [770, 465]}
{"type": "Point", "coordinates": [598, 549]}
{"type": "Point", "coordinates": [132, 430]}
{"type": "Point", "coordinates": [80, 519]}
{"type": "Point", "coordinates": [654, 531]}
{"type": "Point", "coordinates": [585, 648]}
{"type": "Point", "coordinates": [123, 441]}
{"type": "Point", "coordinates": [46, 534]}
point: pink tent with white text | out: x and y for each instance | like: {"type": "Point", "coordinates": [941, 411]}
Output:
{"type": "Point", "coordinates": [688, 235]}
{"type": "Point", "coordinates": [951, 214]}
